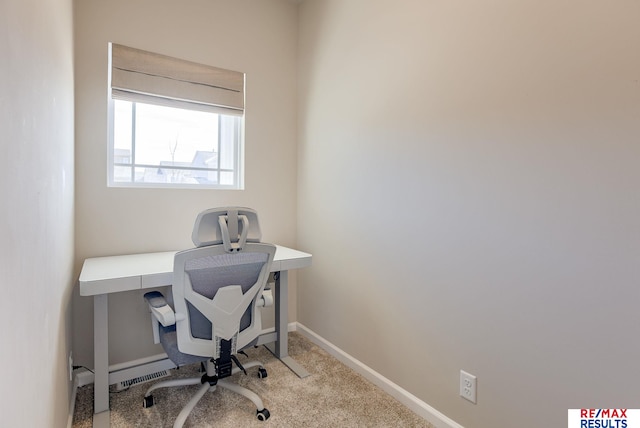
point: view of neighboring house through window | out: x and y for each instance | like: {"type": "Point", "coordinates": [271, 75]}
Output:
{"type": "Point", "coordinates": [173, 123]}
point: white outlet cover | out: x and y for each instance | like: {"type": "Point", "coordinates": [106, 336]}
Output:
{"type": "Point", "coordinates": [468, 386]}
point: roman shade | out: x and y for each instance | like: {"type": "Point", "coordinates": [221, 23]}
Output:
{"type": "Point", "coordinates": [138, 75]}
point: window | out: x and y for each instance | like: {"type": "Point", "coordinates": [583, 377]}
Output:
{"type": "Point", "coordinates": [174, 123]}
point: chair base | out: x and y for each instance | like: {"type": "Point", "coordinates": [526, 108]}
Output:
{"type": "Point", "coordinates": [261, 413]}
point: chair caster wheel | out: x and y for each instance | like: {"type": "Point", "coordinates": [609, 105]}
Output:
{"type": "Point", "coordinates": [262, 372]}
{"type": "Point", "coordinates": [148, 402]}
{"type": "Point", "coordinates": [263, 414]}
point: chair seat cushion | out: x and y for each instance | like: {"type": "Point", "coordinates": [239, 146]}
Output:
{"type": "Point", "coordinates": [169, 341]}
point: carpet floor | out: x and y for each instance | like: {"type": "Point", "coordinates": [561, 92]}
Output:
{"type": "Point", "coordinates": [333, 396]}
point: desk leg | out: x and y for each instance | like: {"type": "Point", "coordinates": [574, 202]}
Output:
{"type": "Point", "coordinates": [281, 348]}
{"type": "Point", "coordinates": [101, 360]}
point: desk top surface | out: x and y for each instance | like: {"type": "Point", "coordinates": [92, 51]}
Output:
{"type": "Point", "coordinates": [102, 275]}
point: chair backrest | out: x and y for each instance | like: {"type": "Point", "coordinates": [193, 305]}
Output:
{"type": "Point", "coordinates": [217, 284]}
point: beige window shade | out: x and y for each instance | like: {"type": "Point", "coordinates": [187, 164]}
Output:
{"type": "Point", "coordinates": [138, 75]}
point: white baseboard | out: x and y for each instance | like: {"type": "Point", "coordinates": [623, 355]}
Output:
{"type": "Point", "coordinates": [405, 397]}
{"type": "Point", "coordinates": [72, 404]}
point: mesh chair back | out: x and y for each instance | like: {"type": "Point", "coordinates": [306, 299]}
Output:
{"type": "Point", "coordinates": [216, 286]}
{"type": "Point", "coordinates": [207, 274]}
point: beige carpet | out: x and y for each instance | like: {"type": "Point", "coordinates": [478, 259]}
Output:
{"type": "Point", "coordinates": [333, 396]}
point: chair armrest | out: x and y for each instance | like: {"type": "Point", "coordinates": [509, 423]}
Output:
{"type": "Point", "coordinates": [160, 309]}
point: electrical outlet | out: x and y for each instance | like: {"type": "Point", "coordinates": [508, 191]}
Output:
{"type": "Point", "coordinates": [468, 386]}
{"type": "Point", "coordinates": [70, 366]}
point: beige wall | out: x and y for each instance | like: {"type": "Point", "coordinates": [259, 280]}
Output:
{"type": "Point", "coordinates": [258, 38]}
{"type": "Point", "coordinates": [36, 218]}
{"type": "Point", "coordinates": [468, 186]}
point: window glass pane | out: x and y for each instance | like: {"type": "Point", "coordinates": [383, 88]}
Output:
{"type": "Point", "coordinates": [139, 174]}
{"type": "Point", "coordinates": [171, 136]}
{"type": "Point", "coordinates": [122, 131]}
{"type": "Point", "coordinates": [122, 174]}
{"type": "Point", "coordinates": [226, 178]}
{"type": "Point", "coordinates": [228, 135]}
{"type": "Point", "coordinates": [169, 146]}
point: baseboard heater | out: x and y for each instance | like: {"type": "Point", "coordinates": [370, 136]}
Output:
{"type": "Point", "coordinates": [132, 373]}
{"type": "Point", "coordinates": [126, 384]}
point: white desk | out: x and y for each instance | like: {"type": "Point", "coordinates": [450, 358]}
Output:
{"type": "Point", "coordinates": [101, 276]}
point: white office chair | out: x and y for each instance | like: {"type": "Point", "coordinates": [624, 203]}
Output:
{"type": "Point", "coordinates": [217, 291]}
